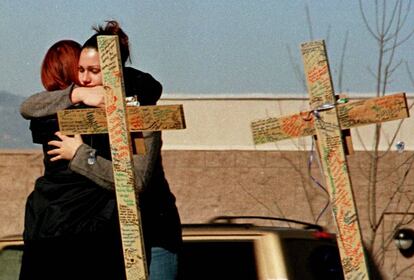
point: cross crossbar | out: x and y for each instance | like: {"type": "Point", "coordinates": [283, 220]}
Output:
{"type": "Point", "coordinates": [351, 115]}
{"type": "Point", "coordinates": [139, 118]}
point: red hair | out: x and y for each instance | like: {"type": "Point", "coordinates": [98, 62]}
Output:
{"type": "Point", "coordinates": [60, 65]}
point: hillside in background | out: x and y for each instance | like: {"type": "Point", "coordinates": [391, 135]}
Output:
{"type": "Point", "coordinates": [14, 130]}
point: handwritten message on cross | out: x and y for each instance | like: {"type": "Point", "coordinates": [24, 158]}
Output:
{"type": "Point", "coordinates": [326, 119]}
{"type": "Point", "coordinates": [119, 120]}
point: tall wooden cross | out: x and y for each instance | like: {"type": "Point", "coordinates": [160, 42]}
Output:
{"type": "Point", "coordinates": [326, 120]}
{"type": "Point", "coordinates": [118, 120]}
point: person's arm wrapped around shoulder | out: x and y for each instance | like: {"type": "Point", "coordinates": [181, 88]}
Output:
{"type": "Point", "coordinates": [101, 171]}
{"type": "Point", "coordinates": [46, 103]}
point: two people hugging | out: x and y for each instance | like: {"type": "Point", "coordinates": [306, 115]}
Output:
{"type": "Point", "coordinates": [71, 227]}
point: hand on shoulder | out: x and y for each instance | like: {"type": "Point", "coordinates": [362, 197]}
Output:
{"type": "Point", "coordinates": [66, 148]}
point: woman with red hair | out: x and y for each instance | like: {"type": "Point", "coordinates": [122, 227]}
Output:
{"type": "Point", "coordinates": [71, 228]}
{"type": "Point", "coordinates": [60, 65]}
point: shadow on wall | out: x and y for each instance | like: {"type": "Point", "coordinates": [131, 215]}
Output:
{"type": "Point", "coordinates": [374, 272]}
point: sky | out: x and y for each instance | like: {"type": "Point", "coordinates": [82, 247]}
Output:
{"type": "Point", "coordinates": [209, 46]}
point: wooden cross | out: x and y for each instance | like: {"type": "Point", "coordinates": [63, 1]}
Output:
{"type": "Point", "coordinates": [325, 120]}
{"type": "Point", "coordinates": [118, 120]}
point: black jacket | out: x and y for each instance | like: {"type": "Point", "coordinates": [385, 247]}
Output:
{"type": "Point", "coordinates": [60, 186]}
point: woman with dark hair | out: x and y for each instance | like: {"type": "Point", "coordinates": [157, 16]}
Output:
{"type": "Point", "coordinates": [160, 219]}
{"type": "Point", "coordinates": [137, 83]}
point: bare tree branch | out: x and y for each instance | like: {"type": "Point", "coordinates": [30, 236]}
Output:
{"type": "Point", "coordinates": [366, 23]}
{"type": "Point", "coordinates": [402, 41]}
{"type": "Point", "coordinates": [410, 75]}
{"type": "Point", "coordinates": [309, 21]}
{"type": "Point", "coordinates": [341, 65]}
{"type": "Point", "coordinates": [389, 25]}
{"type": "Point", "coordinates": [296, 69]}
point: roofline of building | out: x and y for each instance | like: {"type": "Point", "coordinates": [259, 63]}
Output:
{"type": "Point", "coordinates": [257, 96]}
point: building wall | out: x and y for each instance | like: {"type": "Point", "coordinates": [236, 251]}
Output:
{"type": "Point", "coordinates": [214, 169]}
{"type": "Point", "coordinates": [211, 183]}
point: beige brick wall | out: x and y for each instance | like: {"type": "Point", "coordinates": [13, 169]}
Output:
{"type": "Point", "coordinates": [270, 183]}
{"type": "Point", "coordinates": [18, 172]}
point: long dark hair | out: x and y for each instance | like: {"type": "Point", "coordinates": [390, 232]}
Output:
{"type": "Point", "coordinates": [111, 28]}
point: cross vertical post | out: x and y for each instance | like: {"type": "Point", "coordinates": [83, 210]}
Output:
{"type": "Point", "coordinates": [118, 120]}
{"type": "Point", "coordinates": [334, 164]}
{"type": "Point", "coordinates": [128, 208]}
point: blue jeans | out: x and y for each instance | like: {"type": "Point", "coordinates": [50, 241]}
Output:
{"type": "Point", "coordinates": [163, 264]}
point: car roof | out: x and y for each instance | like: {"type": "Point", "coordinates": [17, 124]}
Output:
{"type": "Point", "coordinates": [215, 229]}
